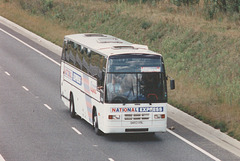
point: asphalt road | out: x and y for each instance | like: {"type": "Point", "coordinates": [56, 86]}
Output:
{"type": "Point", "coordinates": [36, 126]}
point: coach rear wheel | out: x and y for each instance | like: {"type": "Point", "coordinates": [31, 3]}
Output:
{"type": "Point", "coordinates": [72, 108]}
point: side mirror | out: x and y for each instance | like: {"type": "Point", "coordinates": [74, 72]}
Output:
{"type": "Point", "coordinates": [172, 84]}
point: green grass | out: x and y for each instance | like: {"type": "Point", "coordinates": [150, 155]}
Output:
{"type": "Point", "coordinates": [205, 62]}
{"type": "Point", "coordinates": [208, 59]}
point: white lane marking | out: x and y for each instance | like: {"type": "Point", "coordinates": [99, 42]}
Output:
{"type": "Point", "coordinates": [26, 89]}
{"type": "Point", "coordinates": [76, 130]}
{"type": "Point", "coordinates": [1, 158]}
{"type": "Point", "coordinates": [110, 159]}
{"type": "Point", "coordinates": [48, 106]}
{"type": "Point", "coordinates": [7, 73]}
{"type": "Point", "coordinates": [39, 52]}
{"type": "Point", "coordinates": [193, 145]}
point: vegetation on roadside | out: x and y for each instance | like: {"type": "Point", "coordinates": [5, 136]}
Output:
{"type": "Point", "coordinates": [201, 52]}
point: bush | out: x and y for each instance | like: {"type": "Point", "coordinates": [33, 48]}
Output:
{"type": "Point", "coordinates": [185, 2]}
{"type": "Point", "coordinates": [220, 125]}
{"type": "Point", "coordinates": [37, 6]}
{"type": "Point", "coordinates": [212, 7]}
{"type": "Point", "coordinates": [146, 25]}
{"type": "Point", "coordinates": [46, 5]}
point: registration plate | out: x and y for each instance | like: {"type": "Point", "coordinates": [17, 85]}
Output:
{"type": "Point", "coordinates": [136, 122]}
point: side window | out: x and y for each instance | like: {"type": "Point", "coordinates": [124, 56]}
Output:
{"type": "Point", "coordinates": [86, 60]}
{"type": "Point", "coordinates": [64, 50]}
{"type": "Point", "coordinates": [103, 62]}
{"type": "Point", "coordinates": [72, 53]}
{"type": "Point", "coordinates": [94, 64]}
{"type": "Point", "coordinates": [97, 67]}
{"type": "Point", "coordinates": [67, 52]}
{"type": "Point", "coordinates": [79, 57]}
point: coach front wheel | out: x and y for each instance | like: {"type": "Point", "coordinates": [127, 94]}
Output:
{"type": "Point", "coordinates": [95, 124]}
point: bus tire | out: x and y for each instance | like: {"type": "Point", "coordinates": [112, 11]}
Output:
{"type": "Point", "coordinates": [72, 108]}
{"type": "Point", "coordinates": [95, 124]}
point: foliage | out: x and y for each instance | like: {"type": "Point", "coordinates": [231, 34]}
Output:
{"type": "Point", "coordinates": [185, 2]}
{"type": "Point", "coordinates": [37, 6]}
{"type": "Point", "coordinates": [146, 25]}
{"type": "Point", "coordinates": [213, 7]}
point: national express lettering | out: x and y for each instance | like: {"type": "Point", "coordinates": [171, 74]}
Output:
{"type": "Point", "coordinates": [137, 109]}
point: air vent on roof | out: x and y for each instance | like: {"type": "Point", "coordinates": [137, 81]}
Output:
{"type": "Point", "coordinates": [123, 47]}
{"type": "Point", "coordinates": [138, 46]}
{"type": "Point", "coordinates": [94, 35]}
{"type": "Point", "coordinates": [134, 47]}
{"type": "Point", "coordinates": [109, 40]}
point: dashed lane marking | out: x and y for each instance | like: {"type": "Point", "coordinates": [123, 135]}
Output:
{"type": "Point", "coordinates": [76, 130]}
{"type": "Point", "coordinates": [48, 106]}
{"type": "Point", "coordinates": [25, 88]}
{"type": "Point", "coordinates": [7, 73]}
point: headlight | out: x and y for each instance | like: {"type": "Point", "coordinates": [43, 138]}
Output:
{"type": "Point", "coordinates": [113, 117]}
{"type": "Point", "coordinates": [159, 116]}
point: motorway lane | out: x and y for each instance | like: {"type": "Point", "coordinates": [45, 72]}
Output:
{"type": "Point", "coordinates": [33, 132]}
{"type": "Point", "coordinates": [29, 130]}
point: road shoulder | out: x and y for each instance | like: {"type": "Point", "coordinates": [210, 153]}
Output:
{"type": "Point", "coordinates": [214, 135]}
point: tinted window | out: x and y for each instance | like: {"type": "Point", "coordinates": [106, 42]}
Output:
{"type": "Point", "coordinates": [86, 60]}
{"type": "Point", "coordinates": [64, 50]}
{"type": "Point", "coordinates": [97, 67]}
{"type": "Point", "coordinates": [135, 63]}
{"type": "Point", "coordinates": [79, 56]}
{"type": "Point", "coordinates": [72, 53]}
{"type": "Point", "coordinates": [136, 88]}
